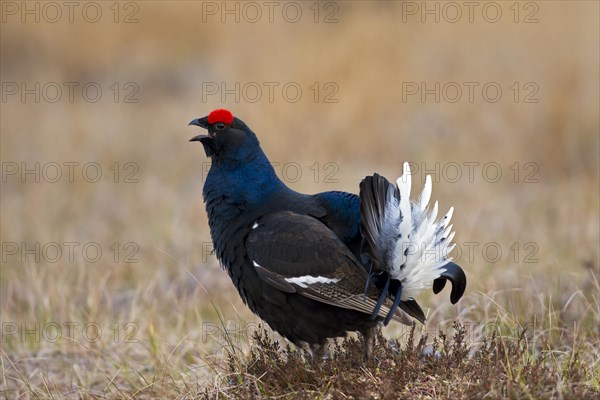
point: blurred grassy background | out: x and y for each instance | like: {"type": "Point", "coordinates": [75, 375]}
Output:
{"type": "Point", "coordinates": [174, 50]}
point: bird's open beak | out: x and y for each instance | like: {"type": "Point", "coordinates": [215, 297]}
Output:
{"type": "Point", "coordinates": [202, 123]}
{"type": "Point", "coordinates": [206, 140]}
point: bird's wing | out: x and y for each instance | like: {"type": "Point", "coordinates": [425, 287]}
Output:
{"type": "Point", "coordinates": [343, 217]}
{"type": "Point", "coordinates": [298, 254]}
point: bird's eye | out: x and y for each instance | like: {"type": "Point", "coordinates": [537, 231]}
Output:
{"type": "Point", "coordinates": [220, 126]}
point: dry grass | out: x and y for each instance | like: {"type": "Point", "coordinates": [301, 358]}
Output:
{"type": "Point", "coordinates": [531, 317]}
{"type": "Point", "coordinates": [513, 366]}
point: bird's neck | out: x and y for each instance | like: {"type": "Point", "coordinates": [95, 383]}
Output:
{"type": "Point", "coordinates": [235, 194]}
{"type": "Point", "coordinates": [249, 181]}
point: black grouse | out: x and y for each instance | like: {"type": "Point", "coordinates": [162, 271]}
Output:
{"type": "Point", "coordinates": [317, 266]}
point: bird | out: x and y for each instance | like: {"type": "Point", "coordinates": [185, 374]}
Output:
{"type": "Point", "coordinates": [317, 266]}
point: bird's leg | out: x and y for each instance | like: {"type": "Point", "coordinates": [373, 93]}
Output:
{"type": "Point", "coordinates": [369, 341]}
{"type": "Point", "coordinates": [317, 351]}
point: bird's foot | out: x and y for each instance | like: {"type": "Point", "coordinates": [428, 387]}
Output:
{"type": "Point", "coordinates": [317, 352]}
{"type": "Point", "coordinates": [369, 342]}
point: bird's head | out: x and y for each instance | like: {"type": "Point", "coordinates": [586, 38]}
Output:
{"type": "Point", "coordinates": [228, 137]}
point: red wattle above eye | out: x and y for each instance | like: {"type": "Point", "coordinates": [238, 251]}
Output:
{"type": "Point", "coordinates": [220, 115]}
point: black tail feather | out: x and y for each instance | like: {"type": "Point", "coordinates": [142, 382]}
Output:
{"type": "Point", "coordinates": [388, 318]}
{"type": "Point", "coordinates": [412, 308]}
{"type": "Point", "coordinates": [374, 192]}
{"type": "Point", "coordinates": [381, 298]}
{"type": "Point", "coordinates": [457, 276]}
{"type": "Point", "coordinates": [369, 276]}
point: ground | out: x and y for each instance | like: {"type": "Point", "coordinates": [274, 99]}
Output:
{"type": "Point", "coordinates": [108, 287]}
